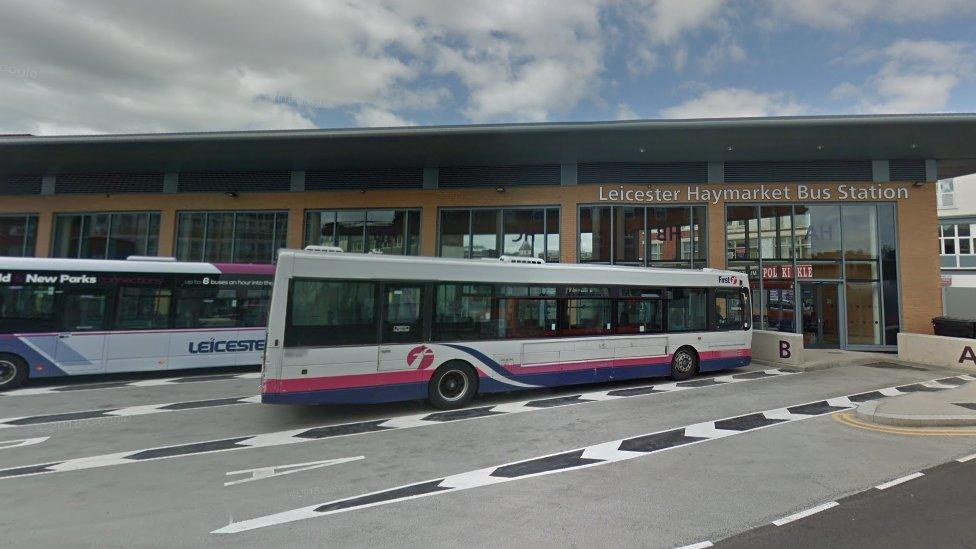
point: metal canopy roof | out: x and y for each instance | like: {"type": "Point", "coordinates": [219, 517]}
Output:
{"type": "Point", "coordinates": [948, 138]}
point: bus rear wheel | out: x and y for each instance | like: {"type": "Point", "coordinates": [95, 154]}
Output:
{"type": "Point", "coordinates": [452, 386]}
{"type": "Point", "coordinates": [684, 364]}
{"type": "Point", "coordinates": [13, 371]}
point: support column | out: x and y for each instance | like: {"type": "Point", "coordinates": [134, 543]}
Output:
{"type": "Point", "coordinates": [167, 232]}
{"type": "Point", "coordinates": [45, 233]}
{"type": "Point", "coordinates": [716, 235]}
{"type": "Point", "coordinates": [428, 229]}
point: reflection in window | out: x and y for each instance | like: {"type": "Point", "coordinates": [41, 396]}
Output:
{"type": "Point", "coordinates": [687, 310]}
{"type": "Point", "coordinates": [462, 311]}
{"type": "Point", "coordinates": [231, 237]}
{"type": "Point", "coordinates": [392, 232]}
{"type": "Point", "coordinates": [817, 231]}
{"type": "Point", "coordinates": [331, 312]}
{"type": "Point", "coordinates": [847, 242]}
{"type": "Point", "coordinates": [653, 236]}
{"type": "Point", "coordinates": [114, 235]}
{"type": "Point", "coordinates": [586, 317]}
{"type": "Point", "coordinates": [640, 316]}
{"type": "Point", "coordinates": [142, 308]}
{"type": "Point", "coordinates": [18, 235]}
{"type": "Point", "coordinates": [477, 233]}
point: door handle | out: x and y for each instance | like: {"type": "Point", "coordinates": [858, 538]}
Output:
{"type": "Point", "coordinates": [64, 336]}
{"type": "Point", "coordinates": [385, 350]}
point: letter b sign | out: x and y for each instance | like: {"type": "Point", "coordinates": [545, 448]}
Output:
{"type": "Point", "coordinates": [784, 349]}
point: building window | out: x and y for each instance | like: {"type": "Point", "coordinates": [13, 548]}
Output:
{"type": "Point", "coordinates": [115, 235]}
{"type": "Point", "coordinates": [783, 248]}
{"type": "Point", "coordinates": [231, 237]}
{"type": "Point", "coordinates": [946, 193]}
{"type": "Point", "coordinates": [395, 232]}
{"type": "Point", "coordinates": [18, 235]}
{"type": "Point", "coordinates": [475, 233]}
{"type": "Point", "coordinates": [646, 236]}
{"type": "Point", "coordinates": [956, 245]}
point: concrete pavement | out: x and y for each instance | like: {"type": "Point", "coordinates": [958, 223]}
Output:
{"type": "Point", "coordinates": [757, 455]}
{"type": "Point", "coordinates": [925, 408]}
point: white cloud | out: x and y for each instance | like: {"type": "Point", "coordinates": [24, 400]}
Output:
{"type": "Point", "coordinates": [376, 117]}
{"type": "Point", "coordinates": [182, 65]}
{"type": "Point", "coordinates": [734, 102]}
{"type": "Point", "coordinates": [915, 76]}
{"type": "Point", "coordinates": [846, 13]}
{"type": "Point", "coordinates": [661, 25]}
{"type": "Point", "coordinates": [626, 112]}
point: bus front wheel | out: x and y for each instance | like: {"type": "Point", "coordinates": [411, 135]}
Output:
{"type": "Point", "coordinates": [13, 371]}
{"type": "Point", "coordinates": [453, 385]}
{"type": "Point", "coordinates": [684, 364]}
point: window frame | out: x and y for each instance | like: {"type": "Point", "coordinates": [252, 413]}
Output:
{"type": "Point", "coordinates": [698, 240]}
{"type": "Point", "coordinates": [275, 245]}
{"type": "Point", "coordinates": [407, 226]}
{"type": "Point", "coordinates": [500, 228]}
{"type": "Point", "coordinates": [150, 243]}
{"type": "Point", "coordinates": [28, 241]}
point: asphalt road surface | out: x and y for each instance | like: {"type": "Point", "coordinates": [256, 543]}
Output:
{"type": "Point", "coordinates": [194, 460]}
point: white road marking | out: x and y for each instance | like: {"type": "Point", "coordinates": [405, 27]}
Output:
{"type": "Point", "coordinates": [279, 470]}
{"type": "Point", "coordinates": [964, 459]}
{"type": "Point", "coordinates": [571, 460]}
{"type": "Point", "coordinates": [699, 545]}
{"type": "Point", "coordinates": [806, 513]}
{"type": "Point", "coordinates": [141, 410]}
{"type": "Point", "coordinates": [291, 436]}
{"type": "Point", "coordinates": [897, 481]}
{"type": "Point", "coordinates": [7, 444]}
{"type": "Point", "coordinates": [31, 391]}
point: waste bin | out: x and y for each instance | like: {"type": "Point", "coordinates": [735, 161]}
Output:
{"type": "Point", "coordinates": [954, 327]}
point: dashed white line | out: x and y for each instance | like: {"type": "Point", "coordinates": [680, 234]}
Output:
{"type": "Point", "coordinates": [897, 481]}
{"type": "Point", "coordinates": [805, 513]}
{"type": "Point", "coordinates": [699, 545]}
{"type": "Point", "coordinates": [964, 459]}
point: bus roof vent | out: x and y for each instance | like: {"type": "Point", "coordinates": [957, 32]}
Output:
{"type": "Point", "coordinates": [149, 258]}
{"type": "Point", "coordinates": [521, 259]}
{"type": "Point", "coordinates": [324, 249]}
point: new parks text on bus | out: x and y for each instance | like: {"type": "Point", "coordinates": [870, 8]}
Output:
{"type": "Point", "coordinates": [358, 328]}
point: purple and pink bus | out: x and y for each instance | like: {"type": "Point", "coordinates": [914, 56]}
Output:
{"type": "Point", "coordinates": [67, 317]}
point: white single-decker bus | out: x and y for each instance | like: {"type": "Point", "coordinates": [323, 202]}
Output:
{"type": "Point", "coordinates": [364, 328]}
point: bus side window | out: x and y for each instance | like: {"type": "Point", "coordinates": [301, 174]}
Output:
{"type": "Point", "coordinates": [331, 312]}
{"type": "Point", "coordinates": [254, 307]}
{"type": "Point", "coordinates": [143, 308]}
{"type": "Point", "coordinates": [729, 310]}
{"type": "Point", "coordinates": [27, 308]}
{"type": "Point", "coordinates": [84, 310]}
{"type": "Point", "coordinates": [687, 311]}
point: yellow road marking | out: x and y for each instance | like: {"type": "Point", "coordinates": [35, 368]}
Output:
{"type": "Point", "coordinates": [849, 419]}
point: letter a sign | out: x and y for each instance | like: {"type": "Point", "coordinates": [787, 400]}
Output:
{"type": "Point", "coordinates": [967, 354]}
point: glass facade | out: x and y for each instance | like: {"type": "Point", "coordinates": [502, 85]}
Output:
{"type": "Point", "coordinates": [828, 271]}
{"type": "Point", "coordinates": [231, 237]}
{"type": "Point", "coordinates": [395, 232]}
{"type": "Point", "coordinates": [18, 235]}
{"type": "Point", "coordinates": [475, 233]}
{"type": "Point", "coordinates": [106, 235]}
{"type": "Point", "coordinates": [672, 236]}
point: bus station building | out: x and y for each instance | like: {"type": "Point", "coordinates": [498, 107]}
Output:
{"type": "Point", "coordinates": [833, 218]}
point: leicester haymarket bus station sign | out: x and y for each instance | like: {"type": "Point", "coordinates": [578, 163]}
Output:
{"type": "Point", "coordinates": [716, 194]}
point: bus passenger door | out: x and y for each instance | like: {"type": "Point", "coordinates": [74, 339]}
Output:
{"type": "Point", "coordinates": [402, 327]}
{"type": "Point", "coordinates": [81, 339]}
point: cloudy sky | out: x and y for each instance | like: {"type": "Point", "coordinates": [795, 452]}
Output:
{"type": "Point", "coordinates": [110, 66]}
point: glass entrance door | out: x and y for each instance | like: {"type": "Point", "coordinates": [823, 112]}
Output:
{"type": "Point", "coordinates": [820, 311]}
